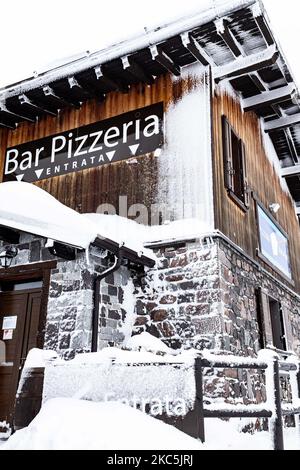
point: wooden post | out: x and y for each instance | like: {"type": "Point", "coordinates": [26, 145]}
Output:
{"type": "Point", "coordinates": [199, 399]}
{"type": "Point", "coordinates": [278, 426]}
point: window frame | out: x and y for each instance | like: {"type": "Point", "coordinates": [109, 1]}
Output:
{"type": "Point", "coordinates": [259, 251]}
{"type": "Point", "coordinates": [227, 131]}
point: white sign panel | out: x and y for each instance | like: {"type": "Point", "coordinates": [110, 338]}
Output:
{"type": "Point", "coordinates": [9, 323]}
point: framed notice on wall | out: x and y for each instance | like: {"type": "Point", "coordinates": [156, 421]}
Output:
{"type": "Point", "coordinates": [274, 244]}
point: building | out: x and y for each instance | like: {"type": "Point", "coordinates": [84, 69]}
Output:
{"type": "Point", "coordinates": [192, 129]}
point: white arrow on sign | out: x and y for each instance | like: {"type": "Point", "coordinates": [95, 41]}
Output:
{"type": "Point", "coordinates": [39, 173]}
{"type": "Point", "coordinates": [110, 155]}
{"type": "Point", "coordinates": [134, 148]}
{"type": "Point", "coordinates": [20, 177]}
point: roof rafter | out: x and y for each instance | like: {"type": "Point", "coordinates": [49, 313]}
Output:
{"type": "Point", "coordinates": [132, 67]}
{"type": "Point", "coordinates": [282, 123]}
{"type": "Point", "coordinates": [228, 37]}
{"type": "Point", "coordinates": [13, 115]}
{"type": "Point", "coordinates": [60, 100]}
{"type": "Point", "coordinates": [8, 125]}
{"type": "Point", "coordinates": [262, 24]}
{"type": "Point", "coordinates": [164, 60]}
{"type": "Point", "coordinates": [246, 65]}
{"type": "Point", "coordinates": [195, 49]}
{"type": "Point", "coordinates": [291, 145]}
{"type": "Point", "coordinates": [108, 81]}
{"type": "Point", "coordinates": [75, 86]}
{"type": "Point", "coordinates": [290, 171]}
{"type": "Point", "coordinates": [269, 98]}
{"type": "Point", "coordinates": [25, 101]}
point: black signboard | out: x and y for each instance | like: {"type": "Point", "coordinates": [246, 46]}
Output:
{"type": "Point", "coordinates": [119, 138]}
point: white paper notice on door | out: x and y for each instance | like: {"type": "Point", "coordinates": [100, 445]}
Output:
{"type": "Point", "coordinates": [9, 323]}
{"type": "Point", "coordinates": [8, 334]}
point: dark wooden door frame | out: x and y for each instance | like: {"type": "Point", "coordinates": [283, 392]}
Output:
{"type": "Point", "coordinates": [37, 271]}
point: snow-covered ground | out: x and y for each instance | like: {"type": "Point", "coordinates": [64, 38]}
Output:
{"type": "Point", "coordinates": [73, 424]}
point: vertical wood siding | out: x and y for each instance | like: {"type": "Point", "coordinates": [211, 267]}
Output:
{"type": "Point", "coordinates": [135, 178]}
{"type": "Point", "coordinates": [263, 180]}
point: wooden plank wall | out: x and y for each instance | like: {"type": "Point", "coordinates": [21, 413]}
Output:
{"type": "Point", "coordinates": [229, 218]}
{"type": "Point", "coordinates": [84, 191]}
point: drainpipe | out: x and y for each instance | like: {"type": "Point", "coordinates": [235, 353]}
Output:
{"type": "Point", "coordinates": [95, 327]}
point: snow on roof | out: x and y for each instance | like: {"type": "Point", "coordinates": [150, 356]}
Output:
{"type": "Point", "coordinates": [69, 424]}
{"type": "Point", "coordinates": [28, 208]}
{"type": "Point", "coordinates": [133, 234]}
{"type": "Point", "coordinates": [208, 11]}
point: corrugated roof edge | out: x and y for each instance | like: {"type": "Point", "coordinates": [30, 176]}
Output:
{"type": "Point", "coordinates": [126, 47]}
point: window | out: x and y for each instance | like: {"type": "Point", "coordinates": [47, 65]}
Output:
{"type": "Point", "coordinates": [273, 243]}
{"type": "Point", "coordinates": [273, 322]}
{"type": "Point", "coordinates": [234, 165]}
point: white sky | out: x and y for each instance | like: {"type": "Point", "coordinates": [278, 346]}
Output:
{"type": "Point", "coordinates": [36, 33]}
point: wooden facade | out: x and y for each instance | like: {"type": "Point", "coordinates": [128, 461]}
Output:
{"type": "Point", "coordinates": [137, 178]}
{"type": "Point", "coordinates": [264, 184]}
{"type": "Point", "coordinates": [86, 190]}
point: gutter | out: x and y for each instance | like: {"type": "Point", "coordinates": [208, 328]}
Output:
{"type": "Point", "coordinates": [120, 253]}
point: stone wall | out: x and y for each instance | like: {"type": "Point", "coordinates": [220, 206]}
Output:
{"type": "Point", "coordinates": [71, 299]}
{"type": "Point", "coordinates": [205, 296]}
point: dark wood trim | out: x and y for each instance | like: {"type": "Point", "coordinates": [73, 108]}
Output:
{"type": "Point", "coordinates": [274, 268]}
{"type": "Point", "coordinates": [40, 271]}
{"type": "Point", "coordinates": [237, 201]}
{"type": "Point", "coordinates": [25, 272]}
{"type": "Point", "coordinates": [269, 214]}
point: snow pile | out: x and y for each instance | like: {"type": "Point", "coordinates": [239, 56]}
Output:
{"type": "Point", "coordinates": [69, 424]}
{"type": "Point", "coordinates": [148, 342]}
{"type": "Point", "coordinates": [36, 358]}
{"type": "Point", "coordinates": [39, 358]}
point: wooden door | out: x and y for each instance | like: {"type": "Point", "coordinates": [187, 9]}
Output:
{"type": "Point", "coordinates": [22, 310]}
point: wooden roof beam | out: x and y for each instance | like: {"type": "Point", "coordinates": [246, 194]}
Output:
{"type": "Point", "coordinates": [291, 171]}
{"type": "Point", "coordinates": [26, 102]}
{"type": "Point", "coordinates": [158, 55]}
{"type": "Point", "coordinates": [291, 145]}
{"type": "Point", "coordinates": [8, 125]}
{"type": "Point", "coordinates": [195, 49]}
{"type": "Point", "coordinates": [17, 116]}
{"type": "Point", "coordinates": [262, 24]}
{"type": "Point", "coordinates": [258, 82]}
{"type": "Point", "coordinates": [61, 101]}
{"type": "Point", "coordinates": [282, 123]}
{"type": "Point", "coordinates": [227, 36]}
{"type": "Point", "coordinates": [245, 65]}
{"type": "Point", "coordinates": [109, 82]}
{"type": "Point", "coordinates": [75, 86]}
{"type": "Point", "coordinates": [105, 79]}
{"type": "Point", "coordinates": [269, 98]}
{"type": "Point", "coordinates": [134, 69]}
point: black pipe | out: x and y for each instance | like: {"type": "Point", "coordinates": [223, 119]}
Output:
{"type": "Point", "coordinates": [98, 278]}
